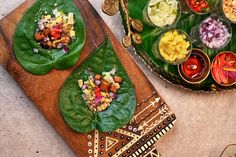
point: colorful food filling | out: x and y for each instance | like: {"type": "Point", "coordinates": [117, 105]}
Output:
{"type": "Point", "coordinates": [100, 90]}
{"type": "Point", "coordinates": [162, 12]}
{"type": "Point", "coordinates": [199, 6]}
{"type": "Point", "coordinates": [174, 46]}
{"type": "Point", "coordinates": [55, 31]}
{"type": "Point", "coordinates": [224, 68]}
{"type": "Point", "coordinates": [214, 33]}
{"type": "Point", "coordinates": [229, 9]}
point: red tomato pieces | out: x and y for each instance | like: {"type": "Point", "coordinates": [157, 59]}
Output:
{"type": "Point", "coordinates": [198, 5]}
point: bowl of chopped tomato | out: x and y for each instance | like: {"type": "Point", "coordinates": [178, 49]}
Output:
{"type": "Point", "coordinates": [202, 6]}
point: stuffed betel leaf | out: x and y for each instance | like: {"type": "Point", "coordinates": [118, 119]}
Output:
{"type": "Point", "coordinates": [75, 109]}
{"type": "Point", "coordinates": [51, 34]}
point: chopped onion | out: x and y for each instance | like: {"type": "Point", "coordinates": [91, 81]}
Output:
{"type": "Point", "coordinates": [59, 45]}
{"type": "Point", "coordinates": [65, 49]}
{"type": "Point", "coordinates": [214, 33]}
{"type": "Point", "coordinates": [84, 87]}
{"type": "Point", "coordinates": [97, 82]}
{"type": "Point", "coordinates": [36, 50]}
{"type": "Point", "coordinates": [91, 78]}
{"type": "Point", "coordinates": [98, 99]}
{"type": "Point", "coordinates": [113, 71]}
{"type": "Point", "coordinates": [112, 95]}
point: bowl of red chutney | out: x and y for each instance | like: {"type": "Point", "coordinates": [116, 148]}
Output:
{"type": "Point", "coordinates": [196, 68]}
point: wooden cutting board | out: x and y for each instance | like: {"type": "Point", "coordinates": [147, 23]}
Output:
{"type": "Point", "coordinates": [152, 119]}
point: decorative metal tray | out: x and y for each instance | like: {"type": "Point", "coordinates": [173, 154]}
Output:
{"type": "Point", "coordinates": [167, 71]}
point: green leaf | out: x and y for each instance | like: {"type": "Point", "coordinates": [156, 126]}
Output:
{"type": "Point", "coordinates": [74, 109]}
{"type": "Point", "coordinates": [44, 61]}
{"type": "Point", "coordinates": [150, 34]}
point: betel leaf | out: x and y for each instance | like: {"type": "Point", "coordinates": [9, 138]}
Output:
{"type": "Point", "coordinates": [74, 109]}
{"type": "Point", "coordinates": [150, 34]}
{"type": "Point", "coordinates": [46, 59]}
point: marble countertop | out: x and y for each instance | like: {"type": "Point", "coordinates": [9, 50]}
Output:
{"type": "Point", "coordinates": [205, 122]}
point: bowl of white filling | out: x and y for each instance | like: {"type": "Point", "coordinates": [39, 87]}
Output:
{"type": "Point", "coordinates": [162, 13]}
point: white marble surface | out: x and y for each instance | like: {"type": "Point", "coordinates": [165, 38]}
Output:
{"type": "Point", "coordinates": [205, 122]}
{"type": "Point", "coordinates": [7, 6]}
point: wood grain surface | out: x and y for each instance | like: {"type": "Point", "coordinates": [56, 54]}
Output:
{"type": "Point", "coordinates": [43, 90]}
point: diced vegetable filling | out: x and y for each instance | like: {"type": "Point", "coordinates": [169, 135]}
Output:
{"type": "Point", "coordinates": [55, 31]}
{"type": "Point", "coordinates": [100, 90]}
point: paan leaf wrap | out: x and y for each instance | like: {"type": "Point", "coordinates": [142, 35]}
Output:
{"type": "Point", "coordinates": [46, 59]}
{"type": "Point", "coordinates": [74, 109]}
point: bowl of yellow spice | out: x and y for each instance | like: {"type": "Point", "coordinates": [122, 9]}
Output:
{"type": "Point", "coordinates": [173, 46]}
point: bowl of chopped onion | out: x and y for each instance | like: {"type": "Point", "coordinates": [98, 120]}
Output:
{"type": "Point", "coordinates": [214, 33]}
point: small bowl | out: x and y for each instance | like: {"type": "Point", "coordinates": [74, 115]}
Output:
{"type": "Point", "coordinates": [205, 71]}
{"type": "Point", "coordinates": [212, 6]}
{"type": "Point", "coordinates": [223, 13]}
{"type": "Point", "coordinates": [196, 35]}
{"type": "Point", "coordinates": [149, 22]}
{"type": "Point", "coordinates": [156, 47]}
{"type": "Point", "coordinates": [232, 82]}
